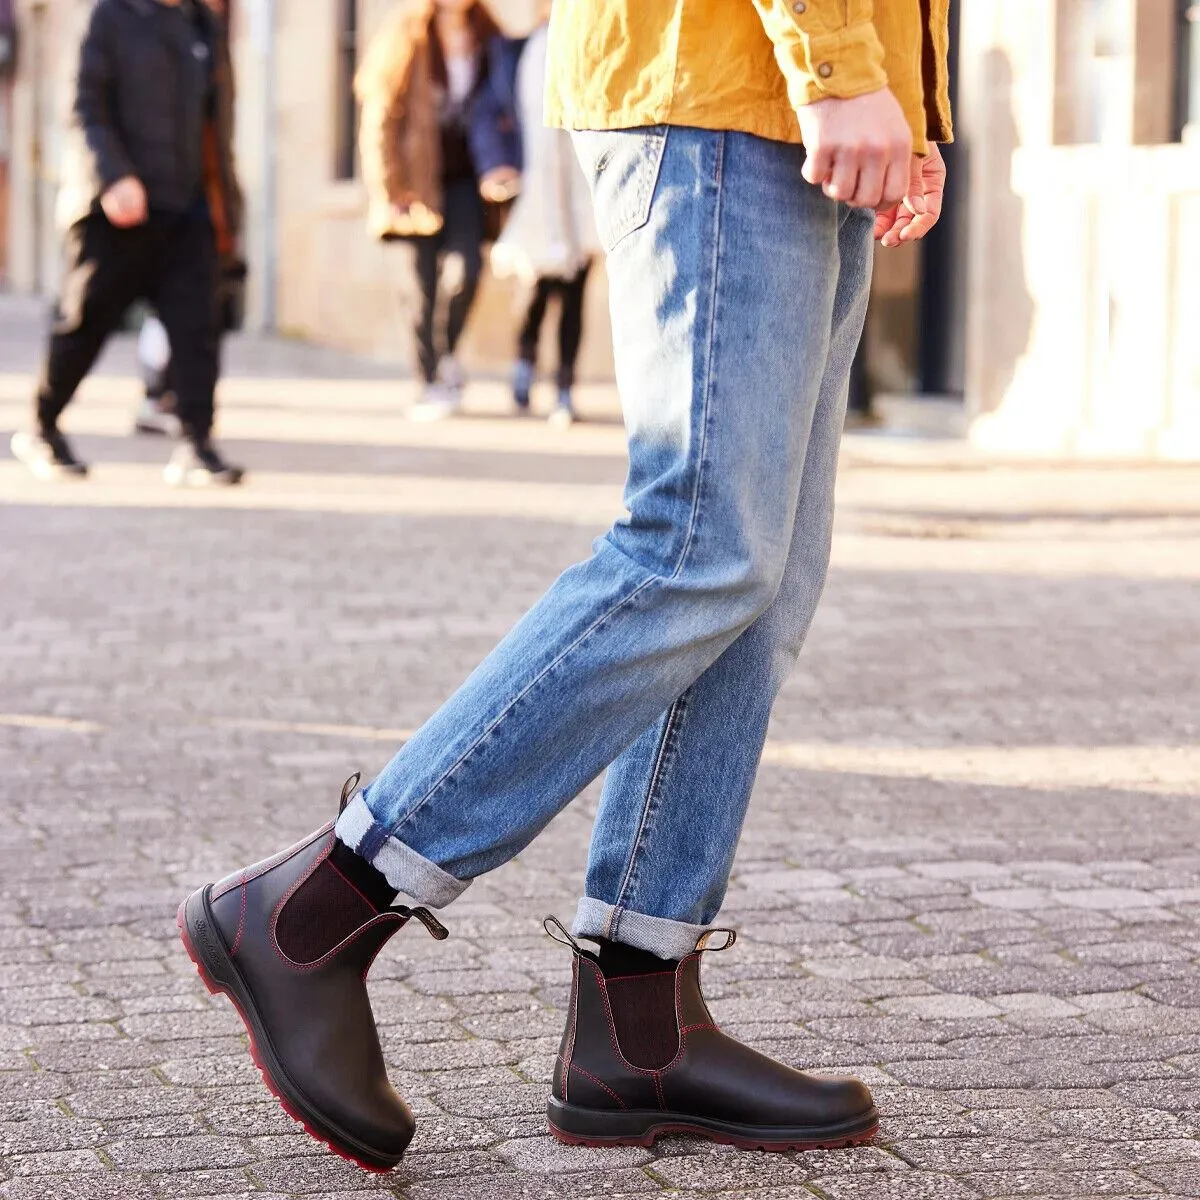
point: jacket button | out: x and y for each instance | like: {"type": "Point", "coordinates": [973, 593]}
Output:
{"type": "Point", "coordinates": [825, 70]}
{"type": "Point", "coordinates": [799, 7]}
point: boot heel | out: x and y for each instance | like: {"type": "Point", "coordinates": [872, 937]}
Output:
{"type": "Point", "coordinates": [578, 1126]}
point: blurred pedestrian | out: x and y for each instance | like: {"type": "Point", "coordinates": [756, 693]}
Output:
{"type": "Point", "coordinates": [417, 86]}
{"type": "Point", "coordinates": [148, 195]}
{"type": "Point", "coordinates": [549, 240]}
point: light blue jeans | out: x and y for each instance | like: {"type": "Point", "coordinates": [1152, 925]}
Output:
{"type": "Point", "coordinates": [738, 293]}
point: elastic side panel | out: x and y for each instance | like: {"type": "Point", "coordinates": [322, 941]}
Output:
{"type": "Point", "coordinates": [322, 911]}
{"type": "Point", "coordinates": [643, 1009]}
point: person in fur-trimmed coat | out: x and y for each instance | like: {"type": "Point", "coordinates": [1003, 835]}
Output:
{"type": "Point", "coordinates": [417, 86]}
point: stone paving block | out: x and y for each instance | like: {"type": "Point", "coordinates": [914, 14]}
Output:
{"type": "Point", "coordinates": [211, 1070]}
{"type": "Point", "coordinates": [178, 1125]}
{"type": "Point", "coordinates": [901, 1186]}
{"type": "Point", "coordinates": [1016, 1124]}
{"type": "Point", "coordinates": [467, 983]}
{"type": "Point", "coordinates": [178, 1153]}
{"type": "Point", "coordinates": [1106, 899]}
{"type": "Point", "coordinates": [959, 1155]}
{"type": "Point", "coordinates": [21, 1086]}
{"type": "Point", "coordinates": [207, 1182]}
{"type": "Point", "coordinates": [463, 1055]}
{"type": "Point", "coordinates": [1180, 1179]}
{"type": "Point", "coordinates": [1159, 1020]}
{"type": "Point", "coordinates": [316, 1173]}
{"type": "Point", "coordinates": [39, 1134]}
{"type": "Point", "coordinates": [503, 1186]}
{"type": "Point", "coordinates": [496, 1101]}
{"type": "Point", "coordinates": [1054, 1184]}
{"type": "Point", "coordinates": [435, 1081]}
{"type": "Point", "coordinates": [54, 1163]}
{"type": "Point", "coordinates": [1015, 898]}
{"type": "Point", "coordinates": [90, 1185]}
{"type": "Point", "coordinates": [547, 1155]}
{"type": "Point", "coordinates": [940, 1007]}
{"type": "Point", "coordinates": [437, 1133]}
{"type": "Point", "coordinates": [945, 1075]}
{"type": "Point", "coordinates": [1053, 1098]}
{"type": "Point", "coordinates": [706, 1173]}
{"type": "Point", "coordinates": [1182, 993]}
{"type": "Point", "coordinates": [133, 1102]}
{"type": "Point", "coordinates": [1035, 1004]}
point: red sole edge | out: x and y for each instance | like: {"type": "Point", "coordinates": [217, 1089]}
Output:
{"type": "Point", "coordinates": [216, 989]}
{"type": "Point", "coordinates": [652, 1135]}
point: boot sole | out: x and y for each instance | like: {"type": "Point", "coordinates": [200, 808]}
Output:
{"type": "Point", "coordinates": [219, 973]}
{"type": "Point", "coordinates": [575, 1126]}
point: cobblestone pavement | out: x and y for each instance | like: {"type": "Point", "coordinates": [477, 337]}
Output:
{"type": "Point", "coordinates": [971, 872]}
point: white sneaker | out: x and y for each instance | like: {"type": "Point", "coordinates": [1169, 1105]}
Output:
{"type": "Point", "coordinates": [155, 417]}
{"type": "Point", "coordinates": [450, 373]}
{"type": "Point", "coordinates": [437, 403]}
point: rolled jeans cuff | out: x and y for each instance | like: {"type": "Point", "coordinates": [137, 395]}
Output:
{"type": "Point", "coordinates": [406, 870]}
{"type": "Point", "coordinates": [658, 935]}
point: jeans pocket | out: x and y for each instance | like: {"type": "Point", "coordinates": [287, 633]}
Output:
{"type": "Point", "coordinates": [622, 168]}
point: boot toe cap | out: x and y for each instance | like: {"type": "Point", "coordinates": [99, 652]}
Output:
{"type": "Point", "coordinates": [841, 1098]}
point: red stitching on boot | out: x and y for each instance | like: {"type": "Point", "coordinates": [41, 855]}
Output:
{"type": "Point", "coordinates": [237, 941]}
{"type": "Point", "coordinates": [601, 1084]}
{"type": "Point", "coordinates": [658, 1088]}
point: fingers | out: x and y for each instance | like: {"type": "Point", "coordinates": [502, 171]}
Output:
{"type": "Point", "coordinates": [892, 235]}
{"type": "Point", "coordinates": [871, 176]}
{"type": "Point", "coordinates": [914, 193]}
{"type": "Point", "coordinates": [818, 164]}
{"type": "Point", "coordinates": [917, 228]}
{"type": "Point", "coordinates": [843, 182]}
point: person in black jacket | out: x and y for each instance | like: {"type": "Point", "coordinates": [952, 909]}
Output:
{"type": "Point", "coordinates": [148, 197]}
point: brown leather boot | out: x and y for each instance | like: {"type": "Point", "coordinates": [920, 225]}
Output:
{"type": "Point", "coordinates": [642, 1056]}
{"type": "Point", "coordinates": [290, 940]}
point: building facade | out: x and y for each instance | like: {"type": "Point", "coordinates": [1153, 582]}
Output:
{"type": "Point", "coordinates": [1055, 303]}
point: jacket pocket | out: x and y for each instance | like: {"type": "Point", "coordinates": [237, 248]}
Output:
{"type": "Point", "coordinates": [622, 168]}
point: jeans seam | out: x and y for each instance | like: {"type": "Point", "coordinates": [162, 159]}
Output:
{"type": "Point", "coordinates": [693, 520]}
{"type": "Point", "coordinates": [678, 708]}
{"type": "Point", "coordinates": [654, 578]}
{"type": "Point", "coordinates": [666, 745]}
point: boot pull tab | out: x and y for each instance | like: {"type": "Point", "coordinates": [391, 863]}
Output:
{"type": "Point", "coordinates": [702, 942]}
{"type": "Point", "coordinates": [348, 790]}
{"type": "Point", "coordinates": [558, 932]}
{"type": "Point", "coordinates": [437, 930]}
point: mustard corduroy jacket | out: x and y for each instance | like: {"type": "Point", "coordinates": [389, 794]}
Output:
{"type": "Point", "coordinates": [744, 64]}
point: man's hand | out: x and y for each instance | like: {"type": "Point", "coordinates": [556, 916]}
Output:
{"type": "Point", "coordinates": [858, 149]}
{"type": "Point", "coordinates": [124, 203]}
{"type": "Point", "coordinates": [500, 184]}
{"type": "Point", "coordinates": [918, 212]}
